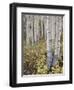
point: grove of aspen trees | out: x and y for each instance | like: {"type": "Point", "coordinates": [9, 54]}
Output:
{"type": "Point", "coordinates": [42, 39]}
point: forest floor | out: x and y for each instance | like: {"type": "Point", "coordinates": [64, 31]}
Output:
{"type": "Point", "coordinates": [35, 57]}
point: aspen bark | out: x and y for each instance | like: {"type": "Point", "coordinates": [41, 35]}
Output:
{"type": "Point", "coordinates": [24, 28]}
{"type": "Point", "coordinates": [28, 30]}
{"type": "Point", "coordinates": [56, 37]}
{"type": "Point", "coordinates": [53, 26]}
{"type": "Point", "coordinates": [59, 34]}
{"type": "Point", "coordinates": [49, 42]}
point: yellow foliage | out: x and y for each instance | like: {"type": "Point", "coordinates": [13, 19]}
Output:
{"type": "Point", "coordinates": [35, 60]}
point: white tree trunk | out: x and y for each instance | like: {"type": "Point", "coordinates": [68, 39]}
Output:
{"type": "Point", "coordinates": [27, 30]}
{"type": "Point", "coordinates": [56, 37]}
{"type": "Point", "coordinates": [49, 42]}
{"type": "Point", "coordinates": [41, 26]}
{"type": "Point", "coordinates": [31, 29]}
{"type": "Point", "coordinates": [59, 34]}
{"type": "Point", "coordinates": [45, 22]}
{"type": "Point", "coordinates": [24, 22]}
{"type": "Point", "coordinates": [53, 32]}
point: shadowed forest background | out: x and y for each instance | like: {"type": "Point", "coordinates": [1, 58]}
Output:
{"type": "Point", "coordinates": [42, 41]}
